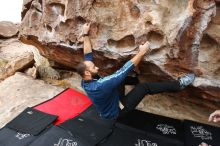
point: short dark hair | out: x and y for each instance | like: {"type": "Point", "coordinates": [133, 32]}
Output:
{"type": "Point", "coordinates": [81, 68]}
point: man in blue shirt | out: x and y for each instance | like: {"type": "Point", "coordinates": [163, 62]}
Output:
{"type": "Point", "coordinates": [104, 91]}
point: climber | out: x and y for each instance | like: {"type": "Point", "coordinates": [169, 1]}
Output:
{"type": "Point", "coordinates": [104, 91]}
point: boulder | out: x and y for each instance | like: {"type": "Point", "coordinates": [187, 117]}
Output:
{"type": "Point", "coordinates": [175, 30]}
{"type": "Point", "coordinates": [20, 63]}
{"type": "Point", "coordinates": [8, 29]}
{"type": "Point", "coordinates": [12, 48]}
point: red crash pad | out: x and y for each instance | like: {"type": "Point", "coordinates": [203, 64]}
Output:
{"type": "Point", "coordinates": [65, 105]}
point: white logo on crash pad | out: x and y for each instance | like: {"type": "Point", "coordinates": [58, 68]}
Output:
{"type": "Point", "coordinates": [145, 143]}
{"type": "Point", "coordinates": [166, 129]}
{"type": "Point", "coordinates": [21, 136]}
{"type": "Point", "coordinates": [66, 142]}
{"type": "Point", "coordinates": [199, 131]}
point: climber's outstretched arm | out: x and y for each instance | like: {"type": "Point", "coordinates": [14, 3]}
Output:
{"type": "Point", "coordinates": [86, 40]}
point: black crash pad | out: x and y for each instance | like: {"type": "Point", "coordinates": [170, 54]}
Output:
{"type": "Point", "coordinates": [91, 113]}
{"type": "Point", "coordinates": [196, 133]}
{"type": "Point", "coordinates": [87, 129]}
{"type": "Point", "coordinates": [172, 129]}
{"type": "Point", "coordinates": [31, 121]}
{"type": "Point", "coordinates": [126, 136]}
{"type": "Point", "coordinates": [57, 136]}
{"type": "Point", "coordinates": [9, 137]}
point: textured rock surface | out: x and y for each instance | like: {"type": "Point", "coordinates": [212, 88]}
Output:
{"type": "Point", "coordinates": [20, 63]}
{"type": "Point", "coordinates": [209, 61]}
{"type": "Point", "coordinates": [174, 28]}
{"type": "Point", "coordinates": [177, 107]}
{"type": "Point", "coordinates": [15, 56]}
{"type": "Point", "coordinates": [31, 72]}
{"type": "Point", "coordinates": [13, 48]}
{"type": "Point", "coordinates": [21, 91]}
{"type": "Point", "coordinates": [8, 29]}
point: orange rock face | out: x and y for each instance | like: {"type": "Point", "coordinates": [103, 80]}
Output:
{"type": "Point", "coordinates": [184, 35]}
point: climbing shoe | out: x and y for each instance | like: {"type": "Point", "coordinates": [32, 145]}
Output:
{"type": "Point", "coordinates": [186, 80]}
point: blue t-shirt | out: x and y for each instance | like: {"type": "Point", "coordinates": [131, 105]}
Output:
{"type": "Point", "coordinates": [104, 91]}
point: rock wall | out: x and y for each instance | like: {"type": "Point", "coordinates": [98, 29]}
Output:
{"type": "Point", "coordinates": [184, 35]}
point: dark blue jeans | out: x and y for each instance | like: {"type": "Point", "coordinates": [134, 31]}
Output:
{"type": "Point", "coordinates": [134, 97]}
